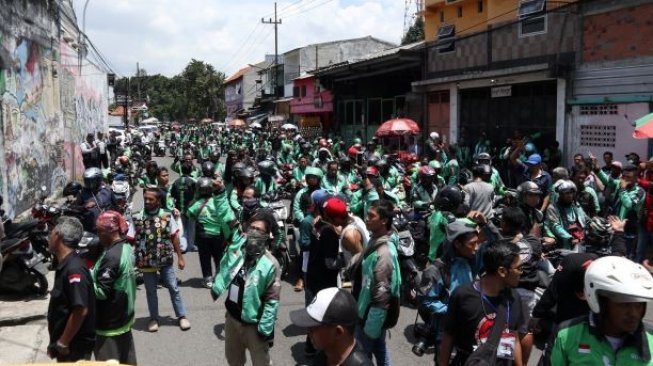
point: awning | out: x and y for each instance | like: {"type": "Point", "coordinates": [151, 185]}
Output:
{"type": "Point", "coordinates": [310, 121]}
{"type": "Point", "coordinates": [283, 100]}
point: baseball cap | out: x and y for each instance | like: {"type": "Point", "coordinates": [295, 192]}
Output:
{"type": "Point", "coordinates": [111, 221]}
{"type": "Point", "coordinates": [331, 306]}
{"type": "Point", "coordinates": [460, 227]}
{"type": "Point", "coordinates": [319, 197]}
{"type": "Point", "coordinates": [617, 164]}
{"type": "Point", "coordinates": [534, 159]}
{"type": "Point", "coordinates": [335, 207]}
{"type": "Point", "coordinates": [629, 167]}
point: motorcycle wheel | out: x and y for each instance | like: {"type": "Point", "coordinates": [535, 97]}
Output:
{"type": "Point", "coordinates": [41, 283]}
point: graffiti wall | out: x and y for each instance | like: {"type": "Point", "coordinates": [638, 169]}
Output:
{"type": "Point", "coordinates": [46, 105]}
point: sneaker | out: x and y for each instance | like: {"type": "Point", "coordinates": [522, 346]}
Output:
{"type": "Point", "coordinates": [153, 326]}
{"type": "Point", "coordinates": [184, 324]}
{"type": "Point", "coordinates": [299, 285]}
{"type": "Point", "coordinates": [208, 283]}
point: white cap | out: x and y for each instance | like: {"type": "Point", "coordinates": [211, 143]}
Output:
{"type": "Point", "coordinates": [434, 135]}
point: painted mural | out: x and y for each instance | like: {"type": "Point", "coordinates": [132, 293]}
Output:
{"type": "Point", "coordinates": [46, 108]}
{"type": "Point", "coordinates": [31, 124]}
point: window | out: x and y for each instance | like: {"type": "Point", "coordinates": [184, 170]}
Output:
{"type": "Point", "coordinates": [295, 91]}
{"type": "Point", "coordinates": [441, 16]}
{"type": "Point", "coordinates": [529, 8]}
{"type": "Point", "coordinates": [460, 12]}
{"type": "Point", "coordinates": [532, 26]}
{"type": "Point", "coordinates": [601, 109]}
{"type": "Point", "coordinates": [480, 6]}
{"type": "Point", "coordinates": [303, 91]}
{"type": "Point", "coordinates": [446, 38]}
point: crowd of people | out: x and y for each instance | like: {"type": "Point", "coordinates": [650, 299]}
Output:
{"type": "Point", "coordinates": [514, 251]}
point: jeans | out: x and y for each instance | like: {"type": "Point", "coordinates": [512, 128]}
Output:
{"type": "Point", "coordinates": [210, 247]}
{"type": "Point", "coordinates": [644, 243]}
{"type": "Point", "coordinates": [169, 279]}
{"type": "Point", "coordinates": [376, 347]}
{"type": "Point", "coordinates": [189, 232]}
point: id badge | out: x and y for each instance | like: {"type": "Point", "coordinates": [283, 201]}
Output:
{"type": "Point", "coordinates": [506, 349]}
{"type": "Point", "coordinates": [233, 293]}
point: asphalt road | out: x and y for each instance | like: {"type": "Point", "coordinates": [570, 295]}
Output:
{"type": "Point", "coordinates": [204, 343]}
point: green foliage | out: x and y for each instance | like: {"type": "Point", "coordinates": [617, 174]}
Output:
{"type": "Point", "coordinates": [415, 33]}
{"type": "Point", "coordinates": [197, 92]}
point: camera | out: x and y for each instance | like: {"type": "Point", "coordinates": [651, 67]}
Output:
{"type": "Point", "coordinates": [425, 339]}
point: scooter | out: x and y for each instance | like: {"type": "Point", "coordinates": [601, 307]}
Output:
{"type": "Point", "coordinates": [410, 272]}
{"type": "Point", "coordinates": [160, 148]}
{"type": "Point", "coordinates": [278, 206]}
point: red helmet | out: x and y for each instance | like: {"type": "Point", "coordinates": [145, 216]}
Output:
{"type": "Point", "coordinates": [372, 170]}
{"type": "Point", "coordinates": [426, 171]}
{"type": "Point", "coordinates": [352, 152]}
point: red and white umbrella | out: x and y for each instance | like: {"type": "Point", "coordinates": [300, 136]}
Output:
{"type": "Point", "coordinates": [397, 127]}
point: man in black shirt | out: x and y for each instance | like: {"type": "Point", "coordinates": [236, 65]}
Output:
{"type": "Point", "coordinates": [331, 320]}
{"type": "Point", "coordinates": [71, 314]}
{"type": "Point", "coordinates": [322, 272]}
{"type": "Point", "coordinates": [473, 308]}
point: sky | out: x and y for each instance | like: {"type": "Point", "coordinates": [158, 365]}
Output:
{"type": "Point", "coordinates": [163, 35]}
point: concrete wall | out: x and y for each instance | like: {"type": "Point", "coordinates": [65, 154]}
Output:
{"type": "Point", "coordinates": [45, 105]}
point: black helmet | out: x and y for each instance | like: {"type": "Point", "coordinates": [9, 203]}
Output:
{"type": "Point", "coordinates": [238, 168]}
{"type": "Point", "coordinates": [373, 160]}
{"type": "Point", "coordinates": [248, 172]}
{"type": "Point", "coordinates": [480, 170]}
{"type": "Point", "coordinates": [465, 176]}
{"type": "Point", "coordinates": [344, 161]}
{"type": "Point", "coordinates": [563, 186]}
{"type": "Point", "coordinates": [208, 169]}
{"type": "Point", "coordinates": [528, 187]}
{"type": "Point", "coordinates": [598, 230]}
{"type": "Point", "coordinates": [92, 178]}
{"type": "Point", "coordinates": [449, 198]}
{"type": "Point", "coordinates": [205, 187]}
{"type": "Point", "coordinates": [214, 156]}
{"type": "Point", "coordinates": [382, 164]}
{"type": "Point", "coordinates": [72, 189]}
{"type": "Point", "coordinates": [266, 167]}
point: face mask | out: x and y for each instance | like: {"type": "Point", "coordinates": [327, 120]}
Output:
{"type": "Point", "coordinates": [256, 244]}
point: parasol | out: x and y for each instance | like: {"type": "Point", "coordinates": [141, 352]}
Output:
{"type": "Point", "coordinates": [397, 127]}
{"type": "Point", "coordinates": [644, 127]}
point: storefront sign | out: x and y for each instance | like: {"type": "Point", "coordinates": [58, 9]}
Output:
{"type": "Point", "coordinates": [501, 91]}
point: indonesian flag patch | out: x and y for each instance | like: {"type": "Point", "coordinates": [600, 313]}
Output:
{"type": "Point", "coordinates": [584, 348]}
{"type": "Point", "coordinates": [75, 278]}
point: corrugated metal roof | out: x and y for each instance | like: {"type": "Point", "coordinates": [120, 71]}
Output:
{"type": "Point", "coordinates": [238, 74]}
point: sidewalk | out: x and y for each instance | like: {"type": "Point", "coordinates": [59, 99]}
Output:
{"type": "Point", "coordinates": [24, 329]}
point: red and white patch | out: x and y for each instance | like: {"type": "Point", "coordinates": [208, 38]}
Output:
{"type": "Point", "coordinates": [584, 348]}
{"type": "Point", "coordinates": [75, 278]}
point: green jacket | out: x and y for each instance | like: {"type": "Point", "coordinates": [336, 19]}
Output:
{"type": "Point", "coordinates": [114, 282]}
{"type": "Point", "coordinates": [421, 198]}
{"type": "Point", "coordinates": [580, 342]}
{"type": "Point", "coordinates": [558, 219]}
{"type": "Point", "coordinates": [437, 232]}
{"type": "Point", "coordinates": [380, 285]}
{"type": "Point", "coordinates": [260, 298]}
{"type": "Point", "coordinates": [298, 174]}
{"type": "Point", "coordinates": [204, 212]}
{"type": "Point", "coordinates": [261, 188]}
{"type": "Point", "coordinates": [451, 172]}
{"type": "Point", "coordinates": [334, 188]}
{"type": "Point", "coordinates": [361, 201]}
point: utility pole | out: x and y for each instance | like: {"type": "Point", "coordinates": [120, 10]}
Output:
{"type": "Point", "coordinates": [276, 23]}
{"type": "Point", "coordinates": [138, 80]}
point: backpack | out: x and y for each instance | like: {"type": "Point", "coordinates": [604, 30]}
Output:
{"type": "Point", "coordinates": [183, 191]}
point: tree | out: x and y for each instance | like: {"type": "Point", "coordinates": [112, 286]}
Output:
{"type": "Point", "coordinates": [415, 33]}
{"type": "Point", "coordinates": [195, 93]}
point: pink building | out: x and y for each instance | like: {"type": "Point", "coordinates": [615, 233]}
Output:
{"type": "Point", "coordinates": [312, 105]}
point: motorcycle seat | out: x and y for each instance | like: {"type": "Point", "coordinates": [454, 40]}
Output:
{"type": "Point", "coordinates": [9, 245]}
{"type": "Point", "coordinates": [25, 227]}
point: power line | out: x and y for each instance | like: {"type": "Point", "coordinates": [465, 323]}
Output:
{"type": "Point", "coordinates": [305, 10]}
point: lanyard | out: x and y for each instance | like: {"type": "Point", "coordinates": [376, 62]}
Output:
{"type": "Point", "coordinates": [485, 299]}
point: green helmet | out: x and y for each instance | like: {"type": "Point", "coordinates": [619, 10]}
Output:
{"type": "Point", "coordinates": [314, 171]}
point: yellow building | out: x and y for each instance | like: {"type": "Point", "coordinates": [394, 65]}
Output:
{"type": "Point", "coordinates": [472, 16]}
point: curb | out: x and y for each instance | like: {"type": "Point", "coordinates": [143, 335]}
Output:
{"type": "Point", "coordinates": [21, 320]}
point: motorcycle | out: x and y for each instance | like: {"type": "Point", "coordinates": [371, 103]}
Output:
{"type": "Point", "coordinates": [23, 270]}
{"type": "Point", "coordinates": [275, 203]}
{"type": "Point", "coordinates": [160, 148]}
{"type": "Point", "coordinates": [410, 272]}
{"type": "Point", "coordinates": [173, 148]}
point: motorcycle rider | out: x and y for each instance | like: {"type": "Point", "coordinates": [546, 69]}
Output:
{"type": "Point", "coordinates": [613, 333]}
{"type": "Point", "coordinates": [208, 170]}
{"type": "Point", "coordinates": [219, 167]}
{"type": "Point", "coordinates": [313, 177]}
{"type": "Point", "coordinates": [565, 218]}
{"type": "Point", "coordinates": [495, 179]}
{"type": "Point", "coordinates": [266, 182]}
{"type": "Point", "coordinates": [183, 193]}
{"type": "Point", "coordinates": [528, 198]}
{"type": "Point", "coordinates": [333, 182]}
{"type": "Point", "coordinates": [388, 175]}
{"type": "Point", "coordinates": [449, 205]}
{"type": "Point", "coordinates": [253, 280]}
{"type": "Point", "coordinates": [93, 199]}
{"type": "Point", "coordinates": [425, 191]}
{"type": "Point", "coordinates": [299, 171]}
{"type": "Point", "coordinates": [151, 171]}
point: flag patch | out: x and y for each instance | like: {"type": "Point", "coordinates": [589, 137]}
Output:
{"type": "Point", "coordinates": [584, 348]}
{"type": "Point", "coordinates": [75, 278]}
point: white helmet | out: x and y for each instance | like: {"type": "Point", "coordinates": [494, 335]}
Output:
{"type": "Point", "coordinates": [434, 135]}
{"type": "Point", "coordinates": [619, 279]}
